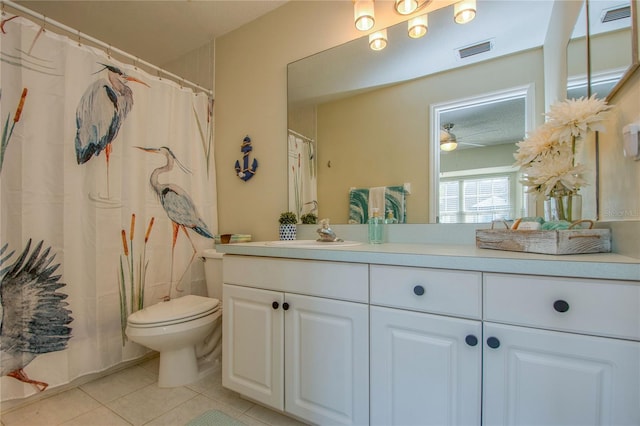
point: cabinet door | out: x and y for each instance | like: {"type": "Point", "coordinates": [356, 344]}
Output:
{"type": "Point", "coordinates": [423, 371]}
{"type": "Point", "coordinates": [252, 360]}
{"type": "Point", "coordinates": [539, 377]}
{"type": "Point", "coordinates": [327, 360]}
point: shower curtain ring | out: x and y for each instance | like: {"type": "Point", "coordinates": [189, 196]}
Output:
{"type": "Point", "coordinates": [79, 39]}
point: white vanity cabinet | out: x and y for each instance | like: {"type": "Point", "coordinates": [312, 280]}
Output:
{"type": "Point", "coordinates": [333, 342]}
{"type": "Point", "coordinates": [426, 346]}
{"type": "Point", "coordinates": [296, 336]}
{"type": "Point", "coordinates": [560, 351]}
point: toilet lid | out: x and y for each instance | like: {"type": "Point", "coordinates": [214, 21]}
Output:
{"type": "Point", "coordinates": [182, 309]}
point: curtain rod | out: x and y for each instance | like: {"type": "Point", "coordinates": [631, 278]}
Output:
{"type": "Point", "coordinates": [293, 132]}
{"type": "Point", "coordinates": [109, 49]}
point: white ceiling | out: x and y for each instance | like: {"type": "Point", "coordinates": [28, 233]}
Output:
{"type": "Point", "coordinates": [155, 31]}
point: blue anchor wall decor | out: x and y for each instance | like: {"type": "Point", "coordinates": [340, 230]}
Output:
{"type": "Point", "coordinates": [245, 173]}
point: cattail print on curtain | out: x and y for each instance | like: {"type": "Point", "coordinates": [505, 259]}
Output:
{"type": "Point", "coordinates": [90, 229]}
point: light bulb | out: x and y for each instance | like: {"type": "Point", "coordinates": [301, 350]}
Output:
{"type": "Point", "coordinates": [464, 11]}
{"type": "Point", "coordinates": [363, 14]}
{"type": "Point", "coordinates": [448, 146]}
{"type": "Point", "coordinates": [418, 26]}
{"type": "Point", "coordinates": [378, 40]}
{"type": "Point", "coordinates": [405, 7]}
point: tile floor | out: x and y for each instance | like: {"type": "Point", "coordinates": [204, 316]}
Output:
{"type": "Point", "coordinates": [132, 397]}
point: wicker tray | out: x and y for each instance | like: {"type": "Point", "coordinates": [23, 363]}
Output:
{"type": "Point", "coordinates": [569, 241]}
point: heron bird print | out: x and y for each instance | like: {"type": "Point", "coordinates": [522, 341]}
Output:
{"type": "Point", "coordinates": [100, 114]}
{"type": "Point", "coordinates": [34, 314]}
{"type": "Point", "coordinates": [178, 205]}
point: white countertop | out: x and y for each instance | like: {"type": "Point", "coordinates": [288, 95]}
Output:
{"type": "Point", "coordinates": [464, 257]}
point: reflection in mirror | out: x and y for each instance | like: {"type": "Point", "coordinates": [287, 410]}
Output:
{"type": "Point", "coordinates": [368, 113]}
{"type": "Point", "coordinates": [477, 180]}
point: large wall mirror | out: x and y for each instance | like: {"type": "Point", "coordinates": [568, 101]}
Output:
{"type": "Point", "coordinates": [361, 120]}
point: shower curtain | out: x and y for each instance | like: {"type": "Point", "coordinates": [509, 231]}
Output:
{"type": "Point", "coordinates": [107, 192]}
{"type": "Point", "coordinates": [303, 180]}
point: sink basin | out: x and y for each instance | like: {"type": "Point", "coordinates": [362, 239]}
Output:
{"type": "Point", "coordinates": [311, 243]}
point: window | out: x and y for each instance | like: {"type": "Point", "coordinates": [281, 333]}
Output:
{"type": "Point", "coordinates": [479, 198]}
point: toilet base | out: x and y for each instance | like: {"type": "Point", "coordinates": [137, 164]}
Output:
{"type": "Point", "coordinates": [178, 367]}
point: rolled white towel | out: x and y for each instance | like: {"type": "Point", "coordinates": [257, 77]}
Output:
{"type": "Point", "coordinates": [376, 199]}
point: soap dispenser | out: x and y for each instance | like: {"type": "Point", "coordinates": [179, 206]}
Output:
{"type": "Point", "coordinates": [390, 218]}
{"type": "Point", "coordinates": [376, 227]}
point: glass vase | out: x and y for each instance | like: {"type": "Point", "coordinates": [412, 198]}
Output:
{"type": "Point", "coordinates": [565, 207]}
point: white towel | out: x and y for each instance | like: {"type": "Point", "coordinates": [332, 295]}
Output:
{"type": "Point", "coordinates": [376, 200]}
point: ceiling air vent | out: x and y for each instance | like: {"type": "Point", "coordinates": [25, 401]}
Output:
{"type": "Point", "coordinates": [465, 52]}
{"type": "Point", "coordinates": [615, 14]}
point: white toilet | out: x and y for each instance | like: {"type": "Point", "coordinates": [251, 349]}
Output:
{"type": "Point", "coordinates": [183, 328]}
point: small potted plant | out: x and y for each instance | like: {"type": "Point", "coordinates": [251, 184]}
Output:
{"type": "Point", "coordinates": [309, 219]}
{"type": "Point", "coordinates": [288, 221]}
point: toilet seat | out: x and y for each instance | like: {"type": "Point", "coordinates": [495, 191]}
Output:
{"type": "Point", "coordinates": [175, 311]}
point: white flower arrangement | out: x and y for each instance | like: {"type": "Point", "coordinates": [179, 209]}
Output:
{"type": "Point", "coordinates": [547, 156]}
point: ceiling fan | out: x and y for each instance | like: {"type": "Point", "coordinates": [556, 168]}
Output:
{"type": "Point", "coordinates": [449, 141]}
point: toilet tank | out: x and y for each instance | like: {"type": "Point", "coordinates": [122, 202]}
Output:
{"type": "Point", "coordinates": [213, 272]}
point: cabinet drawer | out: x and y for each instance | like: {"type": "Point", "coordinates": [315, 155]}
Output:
{"type": "Point", "coordinates": [598, 307]}
{"type": "Point", "coordinates": [439, 291]}
{"type": "Point", "coordinates": [336, 280]}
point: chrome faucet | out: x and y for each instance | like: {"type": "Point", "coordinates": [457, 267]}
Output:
{"type": "Point", "coordinates": [326, 233]}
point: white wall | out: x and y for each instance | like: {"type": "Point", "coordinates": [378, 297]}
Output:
{"type": "Point", "coordinates": [620, 176]}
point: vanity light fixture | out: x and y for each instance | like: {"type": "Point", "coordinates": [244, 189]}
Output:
{"type": "Point", "coordinates": [378, 40]}
{"type": "Point", "coordinates": [363, 11]}
{"type": "Point", "coordinates": [363, 14]}
{"type": "Point", "coordinates": [407, 7]}
{"type": "Point", "coordinates": [464, 11]}
{"type": "Point", "coordinates": [418, 26]}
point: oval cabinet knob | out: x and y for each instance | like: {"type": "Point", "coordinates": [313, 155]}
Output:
{"type": "Point", "coordinates": [285, 306]}
{"type": "Point", "coordinates": [561, 305]}
{"type": "Point", "coordinates": [471, 340]}
{"type": "Point", "coordinates": [275, 305]}
{"type": "Point", "coordinates": [493, 342]}
{"type": "Point", "coordinates": [418, 290]}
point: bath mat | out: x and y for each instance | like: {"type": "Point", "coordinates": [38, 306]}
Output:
{"type": "Point", "coordinates": [214, 418]}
